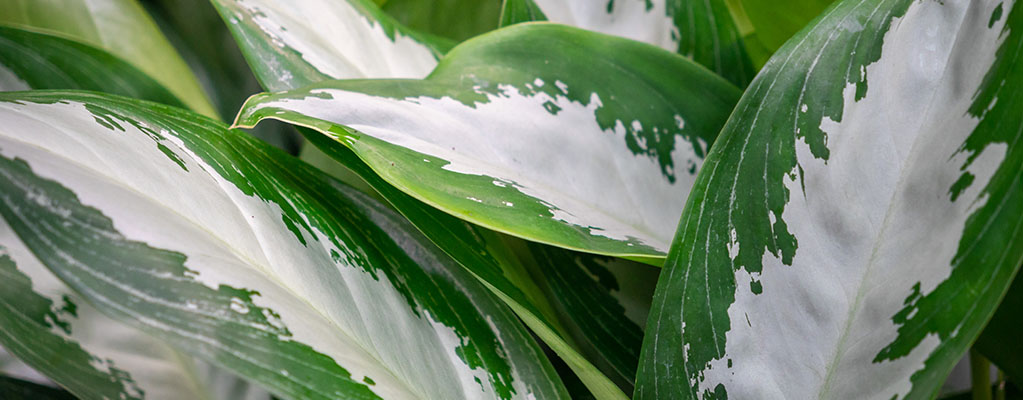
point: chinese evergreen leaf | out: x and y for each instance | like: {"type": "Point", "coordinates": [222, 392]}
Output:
{"type": "Point", "coordinates": [701, 30]}
{"type": "Point", "coordinates": [260, 264]}
{"type": "Point", "coordinates": [859, 218]}
{"type": "Point", "coordinates": [302, 42]}
{"type": "Point", "coordinates": [30, 60]}
{"type": "Point", "coordinates": [520, 131]}
{"type": "Point", "coordinates": [120, 27]}
{"type": "Point", "coordinates": [55, 332]}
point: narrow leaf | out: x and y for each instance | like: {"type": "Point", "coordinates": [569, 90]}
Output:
{"type": "Point", "coordinates": [120, 27]}
{"type": "Point", "coordinates": [860, 216]}
{"type": "Point", "coordinates": [30, 60]}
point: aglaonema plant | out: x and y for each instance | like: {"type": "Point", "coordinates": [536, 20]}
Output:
{"type": "Point", "coordinates": [527, 199]}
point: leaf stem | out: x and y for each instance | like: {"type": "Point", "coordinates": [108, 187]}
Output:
{"type": "Point", "coordinates": [980, 374]}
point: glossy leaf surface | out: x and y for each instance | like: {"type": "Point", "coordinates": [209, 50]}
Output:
{"type": "Point", "coordinates": [701, 30]}
{"type": "Point", "coordinates": [860, 216]}
{"type": "Point", "coordinates": [120, 27]}
{"type": "Point", "coordinates": [302, 42]}
{"type": "Point", "coordinates": [260, 264]}
{"type": "Point", "coordinates": [520, 131]}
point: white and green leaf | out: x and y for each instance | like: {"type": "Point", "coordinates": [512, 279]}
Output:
{"type": "Point", "coordinates": [301, 42]}
{"type": "Point", "coordinates": [257, 262]}
{"type": "Point", "coordinates": [56, 333]}
{"type": "Point", "coordinates": [701, 30]}
{"type": "Point", "coordinates": [120, 27]}
{"type": "Point", "coordinates": [520, 131]}
{"type": "Point", "coordinates": [860, 217]}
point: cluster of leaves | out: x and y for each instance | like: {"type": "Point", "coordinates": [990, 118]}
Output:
{"type": "Point", "coordinates": [636, 198]}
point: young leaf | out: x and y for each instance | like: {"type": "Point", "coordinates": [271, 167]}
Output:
{"type": "Point", "coordinates": [30, 60]}
{"type": "Point", "coordinates": [701, 30]}
{"type": "Point", "coordinates": [232, 251]}
{"type": "Point", "coordinates": [301, 42]}
{"type": "Point", "coordinates": [522, 131]}
{"type": "Point", "coordinates": [120, 27]}
{"type": "Point", "coordinates": [860, 216]}
{"type": "Point", "coordinates": [57, 333]}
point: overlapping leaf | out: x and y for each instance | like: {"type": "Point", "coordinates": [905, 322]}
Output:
{"type": "Point", "coordinates": [122, 28]}
{"type": "Point", "coordinates": [521, 131]}
{"type": "Point", "coordinates": [259, 264]}
{"type": "Point", "coordinates": [860, 216]}
{"type": "Point", "coordinates": [701, 30]}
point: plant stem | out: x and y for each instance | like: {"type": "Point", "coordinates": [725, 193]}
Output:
{"type": "Point", "coordinates": [980, 374]}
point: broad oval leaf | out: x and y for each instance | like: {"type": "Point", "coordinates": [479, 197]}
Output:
{"type": "Point", "coordinates": [120, 27]}
{"type": "Point", "coordinates": [860, 216]}
{"type": "Point", "coordinates": [701, 30]}
{"type": "Point", "coordinates": [31, 60]}
{"type": "Point", "coordinates": [260, 264]}
{"type": "Point", "coordinates": [58, 334]}
{"type": "Point", "coordinates": [521, 131]}
{"type": "Point", "coordinates": [301, 42]}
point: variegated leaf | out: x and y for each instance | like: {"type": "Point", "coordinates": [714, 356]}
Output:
{"type": "Point", "coordinates": [120, 27]}
{"type": "Point", "coordinates": [860, 216]}
{"type": "Point", "coordinates": [301, 42]}
{"type": "Point", "coordinates": [240, 255]}
{"type": "Point", "coordinates": [521, 131]}
{"type": "Point", "coordinates": [58, 334]}
{"type": "Point", "coordinates": [699, 29]}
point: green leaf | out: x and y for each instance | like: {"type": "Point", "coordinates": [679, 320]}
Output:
{"type": "Point", "coordinates": [17, 389]}
{"type": "Point", "coordinates": [120, 27]}
{"type": "Point", "coordinates": [30, 60]}
{"type": "Point", "coordinates": [860, 216]}
{"type": "Point", "coordinates": [240, 255]}
{"type": "Point", "coordinates": [457, 20]}
{"type": "Point", "coordinates": [57, 333]}
{"type": "Point", "coordinates": [518, 11]}
{"type": "Point", "coordinates": [520, 131]}
{"type": "Point", "coordinates": [301, 42]}
{"type": "Point", "coordinates": [774, 22]}
{"type": "Point", "coordinates": [701, 30]}
{"type": "Point", "coordinates": [604, 302]}
{"type": "Point", "coordinates": [998, 342]}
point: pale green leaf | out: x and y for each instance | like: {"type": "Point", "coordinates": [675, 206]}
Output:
{"type": "Point", "coordinates": [860, 217]}
{"type": "Point", "coordinates": [242, 256]}
{"type": "Point", "coordinates": [453, 19]}
{"type": "Point", "coordinates": [120, 27]}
